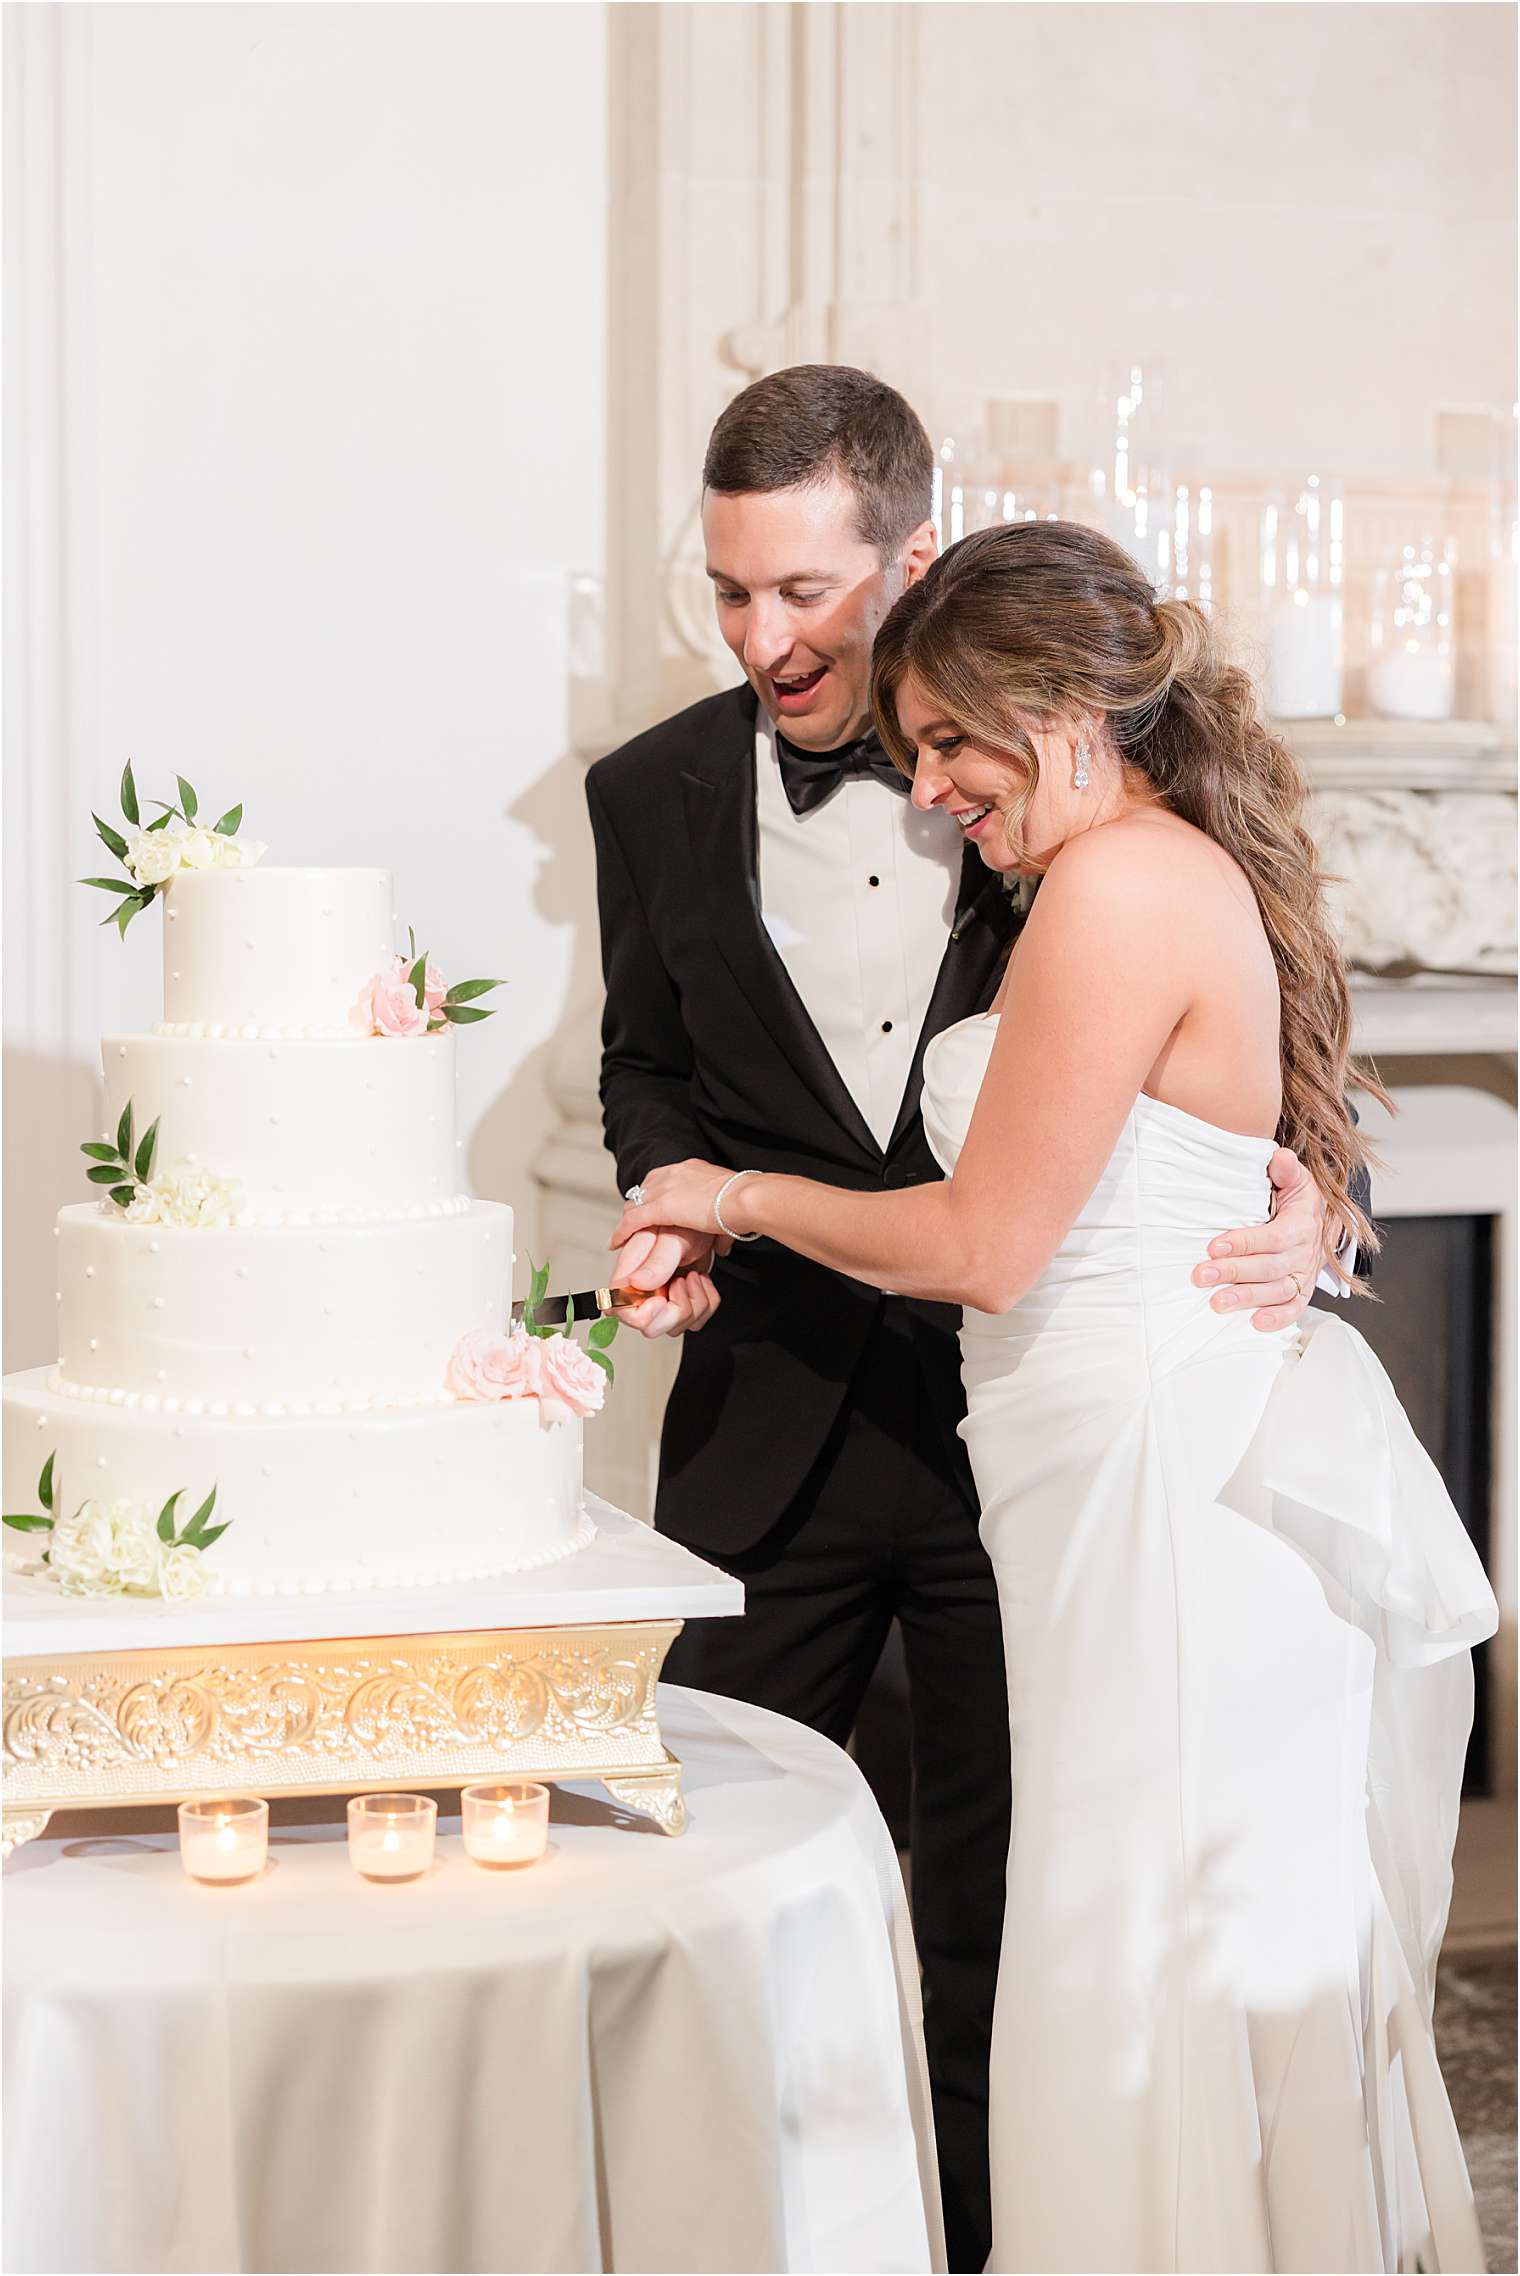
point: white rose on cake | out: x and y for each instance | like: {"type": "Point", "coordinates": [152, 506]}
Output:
{"type": "Point", "coordinates": [238, 853]}
{"type": "Point", "coordinates": [104, 1548]}
{"type": "Point", "coordinates": [180, 1575]}
{"type": "Point", "coordinates": [152, 856]}
{"type": "Point", "coordinates": [185, 1195]}
{"type": "Point", "coordinates": [197, 848]}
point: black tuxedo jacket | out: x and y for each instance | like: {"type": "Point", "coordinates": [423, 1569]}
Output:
{"type": "Point", "coordinates": [707, 1050]}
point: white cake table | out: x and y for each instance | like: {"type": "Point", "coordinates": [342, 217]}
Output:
{"type": "Point", "coordinates": [640, 2054]}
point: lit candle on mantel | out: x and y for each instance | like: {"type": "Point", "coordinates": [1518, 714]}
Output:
{"type": "Point", "coordinates": [390, 1836]}
{"type": "Point", "coordinates": [225, 1840]}
{"type": "Point", "coordinates": [505, 1825]}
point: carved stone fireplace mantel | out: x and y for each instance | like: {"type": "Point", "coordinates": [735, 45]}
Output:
{"type": "Point", "coordinates": [1416, 823]}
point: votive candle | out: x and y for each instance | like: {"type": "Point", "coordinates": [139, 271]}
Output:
{"type": "Point", "coordinates": [225, 1840]}
{"type": "Point", "coordinates": [505, 1825]}
{"type": "Point", "coordinates": [390, 1836]}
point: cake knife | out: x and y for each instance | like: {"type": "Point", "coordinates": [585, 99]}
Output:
{"type": "Point", "coordinates": [586, 1304]}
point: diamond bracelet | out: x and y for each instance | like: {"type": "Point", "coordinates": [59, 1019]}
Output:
{"type": "Point", "coordinates": [717, 1207]}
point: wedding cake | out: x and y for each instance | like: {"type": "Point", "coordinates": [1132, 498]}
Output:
{"type": "Point", "coordinates": [282, 1311]}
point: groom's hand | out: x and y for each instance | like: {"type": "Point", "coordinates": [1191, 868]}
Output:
{"type": "Point", "coordinates": [673, 1266]}
{"type": "Point", "coordinates": [1271, 1269]}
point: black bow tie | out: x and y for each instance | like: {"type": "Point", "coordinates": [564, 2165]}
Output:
{"type": "Point", "coordinates": [812, 777]}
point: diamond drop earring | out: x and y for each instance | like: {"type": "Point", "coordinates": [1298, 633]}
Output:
{"type": "Point", "coordinates": [1081, 778]}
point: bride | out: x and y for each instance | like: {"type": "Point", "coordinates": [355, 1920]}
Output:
{"type": "Point", "coordinates": [1236, 1601]}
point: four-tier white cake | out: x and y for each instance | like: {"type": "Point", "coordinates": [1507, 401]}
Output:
{"type": "Point", "coordinates": [290, 1343]}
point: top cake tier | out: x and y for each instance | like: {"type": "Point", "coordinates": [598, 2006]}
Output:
{"type": "Point", "coordinates": [272, 952]}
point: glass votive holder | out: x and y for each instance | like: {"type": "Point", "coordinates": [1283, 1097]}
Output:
{"type": "Point", "coordinates": [225, 1839]}
{"type": "Point", "coordinates": [390, 1836]}
{"type": "Point", "coordinates": [505, 1825]}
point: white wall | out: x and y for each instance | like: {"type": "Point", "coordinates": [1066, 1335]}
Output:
{"type": "Point", "coordinates": [1306, 212]}
{"type": "Point", "coordinates": [321, 307]}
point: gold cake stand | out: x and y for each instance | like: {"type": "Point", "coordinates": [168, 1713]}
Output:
{"type": "Point", "coordinates": [549, 1696]}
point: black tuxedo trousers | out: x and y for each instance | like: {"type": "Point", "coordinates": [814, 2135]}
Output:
{"type": "Point", "coordinates": [810, 1441]}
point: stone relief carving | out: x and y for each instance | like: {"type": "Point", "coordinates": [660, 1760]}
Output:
{"type": "Point", "coordinates": [1427, 878]}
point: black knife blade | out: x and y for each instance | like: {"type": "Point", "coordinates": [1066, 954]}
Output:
{"type": "Point", "coordinates": [585, 1304]}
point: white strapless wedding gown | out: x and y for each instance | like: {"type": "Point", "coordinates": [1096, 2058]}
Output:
{"type": "Point", "coordinates": [1237, 1606]}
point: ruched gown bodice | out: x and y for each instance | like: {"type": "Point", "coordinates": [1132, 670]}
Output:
{"type": "Point", "coordinates": [1237, 1606]}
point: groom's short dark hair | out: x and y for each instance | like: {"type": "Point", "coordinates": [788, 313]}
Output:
{"type": "Point", "coordinates": [811, 421]}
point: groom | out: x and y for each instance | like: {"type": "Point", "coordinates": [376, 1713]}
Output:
{"type": "Point", "coordinates": [782, 934]}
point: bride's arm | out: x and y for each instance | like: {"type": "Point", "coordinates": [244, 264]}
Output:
{"type": "Point", "coordinates": [1102, 976]}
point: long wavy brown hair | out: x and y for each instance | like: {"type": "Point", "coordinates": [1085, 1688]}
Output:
{"type": "Point", "coordinates": [1035, 623]}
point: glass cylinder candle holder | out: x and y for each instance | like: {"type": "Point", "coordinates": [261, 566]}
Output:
{"type": "Point", "coordinates": [1303, 567]}
{"type": "Point", "coordinates": [390, 1836]}
{"type": "Point", "coordinates": [224, 1840]}
{"type": "Point", "coordinates": [1411, 664]}
{"type": "Point", "coordinates": [506, 1825]}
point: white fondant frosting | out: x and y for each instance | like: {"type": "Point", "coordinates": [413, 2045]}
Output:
{"type": "Point", "coordinates": [320, 1502]}
{"type": "Point", "coordinates": [246, 950]}
{"type": "Point", "coordinates": [362, 1126]}
{"type": "Point", "coordinates": [342, 1318]}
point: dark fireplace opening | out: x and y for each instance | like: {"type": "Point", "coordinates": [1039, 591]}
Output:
{"type": "Point", "coordinates": [1432, 1328]}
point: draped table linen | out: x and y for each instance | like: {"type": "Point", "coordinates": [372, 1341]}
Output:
{"type": "Point", "coordinates": [641, 2054]}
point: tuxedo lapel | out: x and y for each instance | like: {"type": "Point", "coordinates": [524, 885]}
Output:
{"type": "Point", "coordinates": [984, 922]}
{"type": "Point", "coordinates": [718, 791]}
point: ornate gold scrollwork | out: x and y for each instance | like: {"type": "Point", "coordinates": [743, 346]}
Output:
{"type": "Point", "coordinates": [581, 1700]}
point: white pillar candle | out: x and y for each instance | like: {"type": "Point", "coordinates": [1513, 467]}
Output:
{"type": "Point", "coordinates": [505, 1825]}
{"type": "Point", "coordinates": [390, 1836]}
{"type": "Point", "coordinates": [1411, 681]}
{"type": "Point", "coordinates": [225, 1840]}
{"type": "Point", "coordinates": [1305, 670]}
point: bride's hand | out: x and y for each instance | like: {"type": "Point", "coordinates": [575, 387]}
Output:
{"type": "Point", "coordinates": [1270, 1270]}
{"type": "Point", "coordinates": [681, 1194]}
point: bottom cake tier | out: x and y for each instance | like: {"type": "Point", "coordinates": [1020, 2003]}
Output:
{"type": "Point", "coordinates": [401, 1498]}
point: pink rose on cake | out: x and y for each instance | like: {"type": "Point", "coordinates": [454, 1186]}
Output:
{"type": "Point", "coordinates": [570, 1383]}
{"type": "Point", "coordinates": [388, 1005]}
{"type": "Point", "coordinates": [486, 1366]}
{"type": "Point", "coordinates": [434, 986]}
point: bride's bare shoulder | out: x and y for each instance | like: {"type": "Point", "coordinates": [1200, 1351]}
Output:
{"type": "Point", "coordinates": [1147, 863]}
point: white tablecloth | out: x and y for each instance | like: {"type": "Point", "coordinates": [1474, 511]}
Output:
{"type": "Point", "coordinates": [641, 2054]}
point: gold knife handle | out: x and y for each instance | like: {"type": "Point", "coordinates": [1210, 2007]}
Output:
{"type": "Point", "coordinates": [610, 1299]}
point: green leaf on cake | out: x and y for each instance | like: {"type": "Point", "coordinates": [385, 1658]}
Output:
{"type": "Point", "coordinates": [212, 1533]}
{"type": "Point", "coordinates": [417, 978]}
{"type": "Point", "coordinates": [123, 916]}
{"type": "Point", "coordinates": [99, 1152]}
{"type": "Point", "coordinates": [146, 1152]}
{"type": "Point", "coordinates": [110, 838]}
{"type": "Point", "coordinates": [462, 1014]}
{"type": "Point", "coordinates": [45, 1482]}
{"type": "Point", "coordinates": [602, 1332]}
{"type": "Point", "coordinates": [25, 1523]}
{"type": "Point", "coordinates": [230, 823]}
{"type": "Point", "coordinates": [600, 1359]}
{"type": "Point", "coordinates": [463, 990]}
{"type": "Point", "coordinates": [106, 1173]}
{"type": "Point", "coordinates": [411, 942]}
{"type": "Point", "coordinates": [187, 798]}
{"type": "Point", "coordinates": [111, 885]}
{"type": "Point", "coordinates": [129, 804]}
{"type": "Point", "coordinates": [124, 1133]}
{"type": "Point", "coordinates": [123, 1195]}
{"type": "Point", "coordinates": [165, 1528]}
{"type": "Point", "coordinates": [165, 818]}
{"type": "Point", "coordinates": [194, 1532]}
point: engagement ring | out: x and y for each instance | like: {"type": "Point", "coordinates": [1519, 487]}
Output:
{"type": "Point", "coordinates": [635, 1194]}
